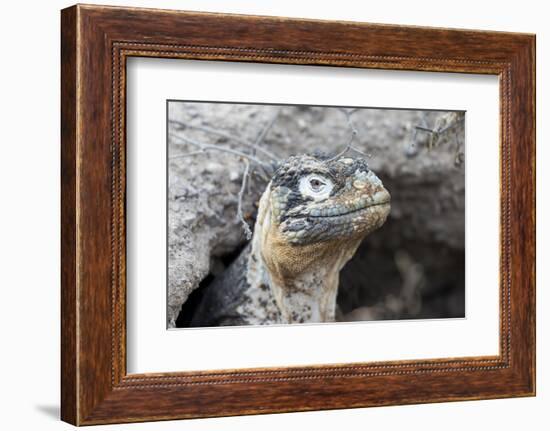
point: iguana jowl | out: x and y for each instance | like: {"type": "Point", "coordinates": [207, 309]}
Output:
{"type": "Point", "coordinates": [312, 216]}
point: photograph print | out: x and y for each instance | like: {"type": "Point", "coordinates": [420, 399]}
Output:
{"type": "Point", "coordinates": [298, 214]}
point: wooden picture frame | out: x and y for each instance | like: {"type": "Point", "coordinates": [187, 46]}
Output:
{"type": "Point", "coordinates": [95, 43]}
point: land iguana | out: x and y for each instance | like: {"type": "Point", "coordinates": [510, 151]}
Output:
{"type": "Point", "coordinates": [312, 217]}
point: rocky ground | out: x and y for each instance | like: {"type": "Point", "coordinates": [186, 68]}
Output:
{"type": "Point", "coordinates": [413, 267]}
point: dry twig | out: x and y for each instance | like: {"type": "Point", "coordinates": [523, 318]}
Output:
{"type": "Point", "coordinates": [267, 128]}
{"type": "Point", "coordinates": [207, 147]}
{"type": "Point", "coordinates": [240, 215]}
{"type": "Point", "coordinates": [354, 133]}
{"type": "Point", "coordinates": [228, 137]}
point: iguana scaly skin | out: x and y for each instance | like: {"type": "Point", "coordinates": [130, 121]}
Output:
{"type": "Point", "coordinates": [312, 217]}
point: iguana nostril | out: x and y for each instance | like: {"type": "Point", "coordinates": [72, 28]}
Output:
{"type": "Point", "coordinates": [361, 180]}
{"type": "Point", "coordinates": [359, 184]}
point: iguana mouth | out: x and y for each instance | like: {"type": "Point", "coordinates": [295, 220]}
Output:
{"type": "Point", "coordinates": [336, 212]}
{"type": "Point", "coordinates": [335, 223]}
{"type": "Point", "coordinates": [350, 212]}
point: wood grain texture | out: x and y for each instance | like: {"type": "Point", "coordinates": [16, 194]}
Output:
{"type": "Point", "coordinates": [69, 397]}
{"type": "Point", "coordinates": [96, 41]}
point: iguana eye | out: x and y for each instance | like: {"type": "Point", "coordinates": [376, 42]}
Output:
{"type": "Point", "coordinates": [315, 186]}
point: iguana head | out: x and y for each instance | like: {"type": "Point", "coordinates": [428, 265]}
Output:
{"type": "Point", "coordinates": [313, 215]}
{"type": "Point", "coordinates": [317, 199]}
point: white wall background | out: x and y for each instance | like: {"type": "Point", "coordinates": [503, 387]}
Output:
{"type": "Point", "coordinates": [29, 214]}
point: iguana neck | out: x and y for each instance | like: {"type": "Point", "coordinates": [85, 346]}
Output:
{"type": "Point", "coordinates": [297, 283]}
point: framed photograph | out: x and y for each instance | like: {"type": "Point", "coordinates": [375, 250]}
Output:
{"type": "Point", "coordinates": [264, 214]}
